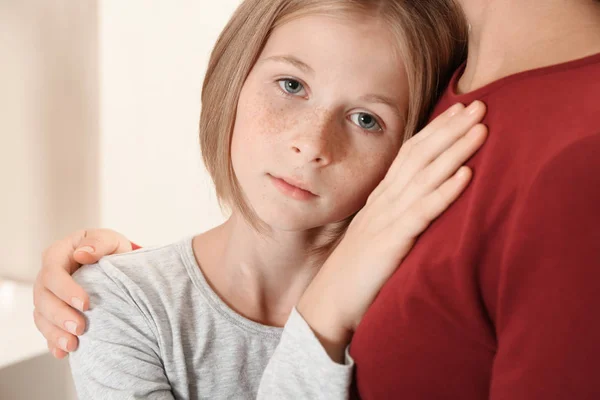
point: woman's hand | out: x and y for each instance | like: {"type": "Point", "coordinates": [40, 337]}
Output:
{"type": "Point", "coordinates": [424, 179]}
{"type": "Point", "coordinates": [56, 296]}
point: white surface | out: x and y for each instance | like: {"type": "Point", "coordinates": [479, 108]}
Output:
{"type": "Point", "coordinates": [19, 338]}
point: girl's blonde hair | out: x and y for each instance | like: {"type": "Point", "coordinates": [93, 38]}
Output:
{"type": "Point", "coordinates": [431, 34]}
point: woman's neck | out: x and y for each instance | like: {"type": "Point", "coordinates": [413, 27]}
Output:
{"type": "Point", "coordinates": [261, 277]}
{"type": "Point", "coordinates": [511, 36]}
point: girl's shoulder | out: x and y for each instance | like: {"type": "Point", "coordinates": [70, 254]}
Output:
{"type": "Point", "coordinates": [149, 268]}
{"type": "Point", "coordinates": [149, 279]}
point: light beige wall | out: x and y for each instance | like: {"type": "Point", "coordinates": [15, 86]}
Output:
{"type": "Point", "coordinates": [48, 153]}
{"type": "Point", "coordinates": [48, 127]}
{"type": "Point", "coordinates": [153, 58]}
{"type": "Point", "coordinates": [99, 107]}
{"type": "Point", "coordinates": [98, 121]}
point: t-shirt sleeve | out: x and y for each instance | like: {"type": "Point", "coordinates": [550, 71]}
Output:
{"type": "Point", "coordinates": [547, 311]}
{"type": "Point", "coordinates": [300, 368]}
{"type": "Point", "coordinates": [118, 356]}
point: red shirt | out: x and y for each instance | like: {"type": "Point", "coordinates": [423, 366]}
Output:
{"type": "Point", "coordinates": [500, 297]}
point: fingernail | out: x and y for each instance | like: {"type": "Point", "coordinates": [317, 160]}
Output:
{"type": "Point", "coordinates": [54, 353]}
{"type": "Point", "coordinates": [62, 343]}
{"type": "Point", "coordinates": [85, 249]}
{"type": "Point", "coordinates": [71, 327]}
{"type": "Point", "coordinates": [77, 303]}
{"type": "Point", "coordinates": [473, 108]}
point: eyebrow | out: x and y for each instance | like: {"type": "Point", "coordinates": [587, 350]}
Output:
{"type": "Point", "coordinates": [293, 61]}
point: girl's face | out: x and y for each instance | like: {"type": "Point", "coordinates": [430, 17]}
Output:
{"type": "Point", "coordinates": [319, 120]}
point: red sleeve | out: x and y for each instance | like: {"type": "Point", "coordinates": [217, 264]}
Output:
{"type": "Point", "coordinates": [135, 246]}
{"type": "Point", "coordinates": [548, 320]}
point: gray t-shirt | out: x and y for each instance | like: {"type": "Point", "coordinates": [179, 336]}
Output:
{"type": "Point", "coordinates": [156, 330]}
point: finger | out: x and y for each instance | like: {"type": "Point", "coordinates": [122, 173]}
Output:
{"type": "Point", "coordinates": [55, 276]}
{"type": "Point", "coordinates": [431, 177]}
{"type": "Point", "coordinates": [56, 337]}
{"type": "Point", "coordinates": [467, 116]}
{"type": "Point", "coordinates": [439, 122]}
{"type": "Point", "coordinates": [58, 353]}
{"type": "Point", "coordinates": [59, 262]}
{"type": "Point", "coordinates": [443, 136]}
{"type": "Point", "coordinates": [452, 159]}
{"type": "Point", "coordinates": [98, 243]}
{"type": "Point", "coordinates": [59, 313]}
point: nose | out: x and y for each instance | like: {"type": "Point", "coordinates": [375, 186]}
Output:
{"type": "Point", "coordinates": [315, 144]}
{"type": "Point", "coordinates": [311, 152]}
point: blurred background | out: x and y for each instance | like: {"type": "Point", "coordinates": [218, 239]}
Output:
{"type": "Point", "coordinates": [99, 108]}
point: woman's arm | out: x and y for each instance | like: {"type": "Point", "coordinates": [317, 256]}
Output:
{"type": "Point", "coordinates": [311, 362]}
{"type": "Point", "coordinates": [119, 356]}
{"type": "Point", "coordinates": [546, 312]}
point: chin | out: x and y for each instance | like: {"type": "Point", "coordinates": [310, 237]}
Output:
{"type": "Point", "coordinates": [288, 222]}
{"type": "Point", "coordinates": [282, 218]}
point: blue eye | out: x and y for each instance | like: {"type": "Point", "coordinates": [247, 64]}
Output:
{"type": "Point", "coordinates": [366, 121]}
{"type": "Point", "coordinates": [290, 86]}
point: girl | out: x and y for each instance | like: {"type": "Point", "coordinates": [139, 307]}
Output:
{"type": "Point", "coordinates": [305, 106]}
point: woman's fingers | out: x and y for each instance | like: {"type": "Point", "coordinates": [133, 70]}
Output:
{"type": "Point", "coordinates": [55, 274]}
{"type": "Point", "coordinates": [98, 243]}
{"type": "Point", "coordinates": [65, 257]}
{"type": "Point", "coordinates": [57, 353]}
{"type": "Point", "coordinates": [56, 294]}
{"type": "Point", "coordinates": [59, 313]}
{"type": "Point", "coordinates": [56, 337]}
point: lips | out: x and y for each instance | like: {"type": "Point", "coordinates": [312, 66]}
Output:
{"type": "Point", "coordinates": [297, 184]}
{"type": "Point", "coordinates": [293, 188]}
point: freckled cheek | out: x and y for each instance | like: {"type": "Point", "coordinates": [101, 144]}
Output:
{"type": "Point", "coordinates": [368, 169]}
{"type": "Point", "coordinates": [352, 188]}
{"type": "Point", "coordinates": [262, 118]}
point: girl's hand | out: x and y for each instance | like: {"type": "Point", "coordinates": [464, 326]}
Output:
{"type": "Point", "coordinates": [55, 293]}
{"type": "Point", "coordinates": [424, 179]}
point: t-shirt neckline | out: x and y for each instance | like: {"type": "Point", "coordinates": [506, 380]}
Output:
{"type": "Point", "coordinates": [456, 97]}
{"type": "Point", "coordinates": [214, 300]}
